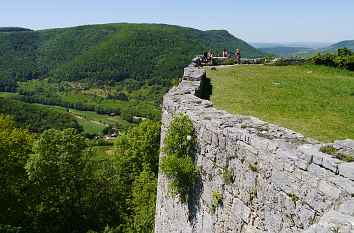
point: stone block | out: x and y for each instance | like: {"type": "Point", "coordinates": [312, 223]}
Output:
{"type": "Point", "coordinates": [347, 170]}
{"type": "Point", "coordinates": [222, 142]}
{"type": "Point", "coordinates": [285, 182]}
{"type": "Point", "coordinates": [317, 229]}
{"type": "Point", "coordinates": [241, 209]}
{"type": "Point", "coordinates": [329, 190]}
{"type": "Point", "coordinates": [344, 183]}
{"type": "Point", "coordinates": [307, 151]}
{"type": "Point", "coordinates": [304, 216]}
{"type": "Point", "coordinates": [347, 207]}
{"type": "Point", "coordinates": [330, 163]}
{"type": "Point", "coordinates": [273, 221]}
{"type": "Point", "coordinates": [334, 219]}
{"type": "Point", "coordinates": [317, 171]}
{"type": "Point", "coordinates": [302, 164]}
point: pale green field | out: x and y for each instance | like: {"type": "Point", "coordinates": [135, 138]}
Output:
{"type": "Point", "coordinates": [7, 94]}
{"type": "Point", "coordinates": [104, 118]}
{"type": "Point", "coordinates": [90, 127]}
{"type": "Point", "coordinates": [317, 102]}
{"type": "Point", "coordinates": [58, 108]}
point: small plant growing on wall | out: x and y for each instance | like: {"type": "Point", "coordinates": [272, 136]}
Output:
{"type": "Point", "coordinates": [178, 163]}
{"type": "Point", "coordinates": [217, 201]}
{"type": "Point", "coordinates": [227, 175]}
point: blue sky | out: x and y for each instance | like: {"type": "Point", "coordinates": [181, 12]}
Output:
{"type": "Point", "coordinates": [250, 20]}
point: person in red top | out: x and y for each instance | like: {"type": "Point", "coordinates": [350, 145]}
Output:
{"type": "Point", "coordinates": [238, 56]}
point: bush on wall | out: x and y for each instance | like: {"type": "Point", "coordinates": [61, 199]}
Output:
{"type": "Point", "coordinates": [178, 163]}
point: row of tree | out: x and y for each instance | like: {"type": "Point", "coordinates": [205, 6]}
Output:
{"type": "Point", "coordinates": [36, 118]}
{"type": "Point", "coordinates": [47, 98]}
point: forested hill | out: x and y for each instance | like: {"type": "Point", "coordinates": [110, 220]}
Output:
{"type": "Point", "coordinates": [109, 52]}
{"type": "Point", "coordinates": [347, 43]}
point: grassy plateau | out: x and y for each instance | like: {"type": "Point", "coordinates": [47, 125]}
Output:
{"type": "Point", "coordinates": [315, 101]}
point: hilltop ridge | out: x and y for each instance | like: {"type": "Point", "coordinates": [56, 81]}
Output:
{"type": "Point", "coordinates": [109, 52]}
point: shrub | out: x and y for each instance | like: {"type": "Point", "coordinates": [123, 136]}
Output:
{"type": "Point", "coordinates": [343, 52]}
{"type": "Point", "coordinates": [326, 59]}
{"type": "Point", "coordinates": [346, 62]}
{"type": "Point", "coordinates": [344, 59]}
{"type": "Point", "coordinates": [176, 81]}
{"type": "Point", "coordinates": [280, 63]}
{"type": "Point", "coordinates": [178, 164]}
{"type": "Point", "coordinates": [328, 150]}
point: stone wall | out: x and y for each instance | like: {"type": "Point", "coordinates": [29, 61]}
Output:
{"type": "Point", "coordinates": [271, 179]}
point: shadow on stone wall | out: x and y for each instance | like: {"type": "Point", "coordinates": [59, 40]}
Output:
{"type": "Point", "coordinates": [195, 194]}
{"type": "Point", "coordinates": [207, 89]}
{"type": "Point", "coordinates": [194, 200]}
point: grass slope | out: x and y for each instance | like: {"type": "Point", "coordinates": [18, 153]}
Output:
{"type": "Point", "coordinates": [313, 100]}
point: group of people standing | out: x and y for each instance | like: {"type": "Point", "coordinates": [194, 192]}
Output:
{"type": "Point", "coordinates": [208, 56]}
{"type": "Point", "coordinates": [225, 53]}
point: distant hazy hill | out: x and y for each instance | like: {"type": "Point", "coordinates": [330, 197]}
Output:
{"type": "Point", "coordinates": [303, 51]}
{"type": "Point", "coordinates": [261, 45]}
{"type": "Point", "coordinates": [347, 43]}
{"type": "Point", "coordinates": [284, 51]}
{"type": "Point", "coordinates": [109, 52]}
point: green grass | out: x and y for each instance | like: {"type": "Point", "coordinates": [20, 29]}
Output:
{"type": "Point", "coordinates": [90, 127]}
{"type": "Point", "coordinates": [31, 85]}
{"type": "Point", "coordinates": [104, 118]}
{"type": "Point", "coordinates": [101, 152]}
{"type": "Point", "coordinates": [58, 108]}
{"type": "Point", "coordinates": [7, 94]}
{"type": "Point", "coordinates": [315, 101]}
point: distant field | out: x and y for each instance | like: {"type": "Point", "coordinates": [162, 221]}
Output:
{"type": "Point", "coordinates": [142, 101]}
{"type": "Point", "coordinates": [103, 118]}
{"type": "Point", "coordinates": [58, 108]}
{"type": "Point", "coordinates": [315, 101]}
{"type": "Point", "coordinates": [90, 127]}
{"type": "Point", "coordinates": [7, 94]}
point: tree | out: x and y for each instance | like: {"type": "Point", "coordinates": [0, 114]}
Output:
{"type": "Point", "coordinates": [62, 170]}
{"type": "Point", "coordinates": [343, 52]}
{"type": "Point", "coordinates": [135, 166]}
{"type": "Point", "coordinates": [15, 147]}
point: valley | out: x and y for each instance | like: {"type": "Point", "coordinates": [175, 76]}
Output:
{"type": "Point", "coordinates": [81, 126]}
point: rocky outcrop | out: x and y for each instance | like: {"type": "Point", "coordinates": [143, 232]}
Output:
{"type": "Point", "coordinates": [271, 179]}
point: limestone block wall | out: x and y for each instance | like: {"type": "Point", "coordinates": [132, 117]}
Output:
{"type": "Point", "coordinates": [271, 179]}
